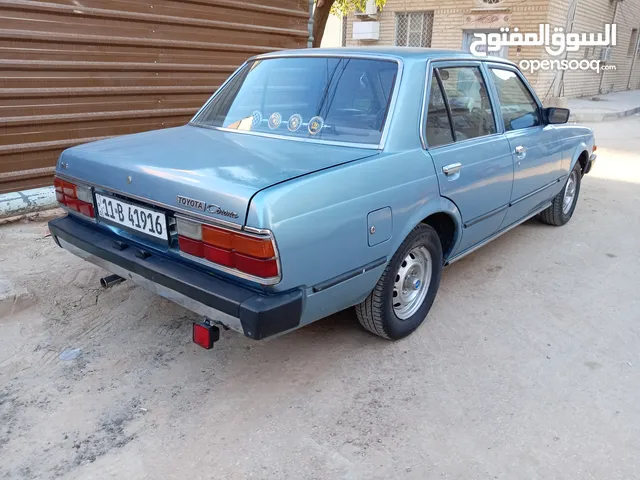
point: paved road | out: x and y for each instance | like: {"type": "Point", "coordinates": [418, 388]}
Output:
{"type": "Point", "coordinates": [528, 367]}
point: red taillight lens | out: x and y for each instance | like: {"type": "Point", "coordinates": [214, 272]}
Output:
{"type": "Point", "coordinates": [75, 197]}
{"type": "Point", "coordinates": [219, 256]}
{"type": "Point", "coordinates": [192, 247]}
{"type": "Point", "coordinates": [249, 254]}
{"type": "Point", "coordinates": [256, 266]}
{"type": "Point", "coordinates": [86, 209]}
{"type": "Point", "coordinates": [72, 204]}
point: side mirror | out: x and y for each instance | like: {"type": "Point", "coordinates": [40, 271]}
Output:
{"type": "Point", "coordinates": [555, 116]}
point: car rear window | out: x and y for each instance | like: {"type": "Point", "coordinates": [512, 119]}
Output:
{"type": "Point", "coordinates": [327, 98]}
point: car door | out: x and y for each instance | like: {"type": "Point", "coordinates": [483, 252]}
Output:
{"type": "Point", "coordinates": [472, 158]}
{"type": "Point", "coordinates": [537, 153]}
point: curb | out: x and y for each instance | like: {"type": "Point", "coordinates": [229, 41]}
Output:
{"type": "Point", "coordinates": [27, 201]}
{"type": "Point", "coordinates": [602, 117]}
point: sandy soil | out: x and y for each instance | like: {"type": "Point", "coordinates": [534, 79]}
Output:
{"type": "Point", "coordinates": [528, 367]}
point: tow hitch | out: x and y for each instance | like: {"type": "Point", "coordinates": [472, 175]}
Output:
{"type": "Point", "coordinates": [205, 334]}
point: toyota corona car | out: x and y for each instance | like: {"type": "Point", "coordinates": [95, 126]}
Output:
{"type": "Point", "coordinates": [317, 180]}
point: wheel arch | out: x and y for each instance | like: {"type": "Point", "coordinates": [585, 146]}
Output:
{"type": "Point", "coordinates": [581, 155]}
{"type": "Point", "coordinates": [443, 216]}
{"type": "Point", "coordinates": [583, 158]}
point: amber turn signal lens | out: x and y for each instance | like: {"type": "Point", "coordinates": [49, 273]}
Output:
{"type": "Point", "coordinates": [254, 247]}
{"type": "Point", "coordinates": [217, 237]}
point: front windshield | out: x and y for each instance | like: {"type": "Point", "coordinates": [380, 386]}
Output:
{"type": "Point", "coordinates": [328, 98]}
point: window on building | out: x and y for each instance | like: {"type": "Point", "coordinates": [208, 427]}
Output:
{"type": "Point", "coordinates": [468, 101]}
{"type": "Point", "coordinates": [438, 124]}
{"type": "Point", "coordinates": [633, 43]}
{"type": "Point", "coordinates": [519, 109]}
{"type": "Point", "coordinates": [414, 29]}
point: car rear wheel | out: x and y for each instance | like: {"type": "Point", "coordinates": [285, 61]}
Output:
{"type": "Point", "coordinates": [406, 290]}
{"type": "Point", "coordinates": [564, 204]}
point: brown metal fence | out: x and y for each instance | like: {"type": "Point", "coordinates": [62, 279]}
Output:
{"type": "Point", "coordinates": [72, 72]}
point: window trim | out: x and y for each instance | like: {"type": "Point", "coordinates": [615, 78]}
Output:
{"type": "Point", "coordinates": [494, 66]}
{"type": "Point", "coordinates": [445, 99]}
{"type": "Point", "coordinates": [433, 65]}
{"type": "Point", "coordinates": [370, 146]}
{"type": "Point", "coordinates": [423, 129]}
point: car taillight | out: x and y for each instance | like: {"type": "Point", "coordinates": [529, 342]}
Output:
{"type": "Point", "coordinates": [75, 197]}
{"type": "Point", "coordinates": [254, 255]}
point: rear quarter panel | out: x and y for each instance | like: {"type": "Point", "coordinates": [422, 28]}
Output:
{"type": "Point", "coordinates": [320, 221]}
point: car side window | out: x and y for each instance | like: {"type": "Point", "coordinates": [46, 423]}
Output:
{"type": "Point", "coordinates": [438, 125]}
{"type": "Point", "coordinates": [468, 101]}
{"type": "Point", "coordinates": [519, 108]}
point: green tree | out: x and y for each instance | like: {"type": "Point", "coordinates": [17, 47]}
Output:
{"type": "Point", "coordinates": [337, 7]}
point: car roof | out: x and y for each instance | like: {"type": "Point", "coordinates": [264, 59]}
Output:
{"type": "Point", "coordinates": [404, 53]}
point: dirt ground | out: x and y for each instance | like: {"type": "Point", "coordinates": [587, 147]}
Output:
{"type": "Point", "coordinates": [528, 366]}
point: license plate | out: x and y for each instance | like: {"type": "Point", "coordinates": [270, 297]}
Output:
{"type": "Point", "coordinates": [133, 217]}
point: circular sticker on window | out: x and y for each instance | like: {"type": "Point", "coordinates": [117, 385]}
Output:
{"type": "Point", "coordinates": [294, 122]}
{"type": "Point", "coordinates": [275, 120]}
{"type": "Point", "coordinates": [257, 118]}
{"type": "Point", "coordinates": [315, 125]}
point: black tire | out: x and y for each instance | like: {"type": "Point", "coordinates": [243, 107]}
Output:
{"type": "Point", "coordinates": [556, 214]}
{"type": "Point", "coordinates": [377, 313]}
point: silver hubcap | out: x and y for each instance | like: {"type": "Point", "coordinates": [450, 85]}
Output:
{"type": "Point", "coordinates": [569, 192]}
{"type": "Point", "coordinates": [412, 283]}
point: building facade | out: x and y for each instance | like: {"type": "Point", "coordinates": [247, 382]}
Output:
{"type": "Point", "coordinates": [452, 24]}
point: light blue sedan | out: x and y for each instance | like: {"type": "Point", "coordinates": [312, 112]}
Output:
{"type": "Point", "coordinates": [317, 180]}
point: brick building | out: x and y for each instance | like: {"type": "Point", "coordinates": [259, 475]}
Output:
{"type": "Point", "coordinates": [452, 23]}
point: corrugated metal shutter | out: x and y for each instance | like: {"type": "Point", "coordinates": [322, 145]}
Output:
{"type": "Point", "coordinates": [75, 71]}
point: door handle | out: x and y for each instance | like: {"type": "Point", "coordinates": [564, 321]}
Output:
{"type": "Point", "coordinates": [451, 169]}
{"type": "Point", "coordinates": [520, 150]}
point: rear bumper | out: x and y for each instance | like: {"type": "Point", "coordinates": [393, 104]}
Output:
{"type": "Point", "coordinates": [592, 160]}
{"type": "Point", "coordinates": [239, 308]}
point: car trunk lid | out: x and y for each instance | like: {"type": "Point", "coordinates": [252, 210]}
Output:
{"type": "Point", "coordinates": [214, 173]}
